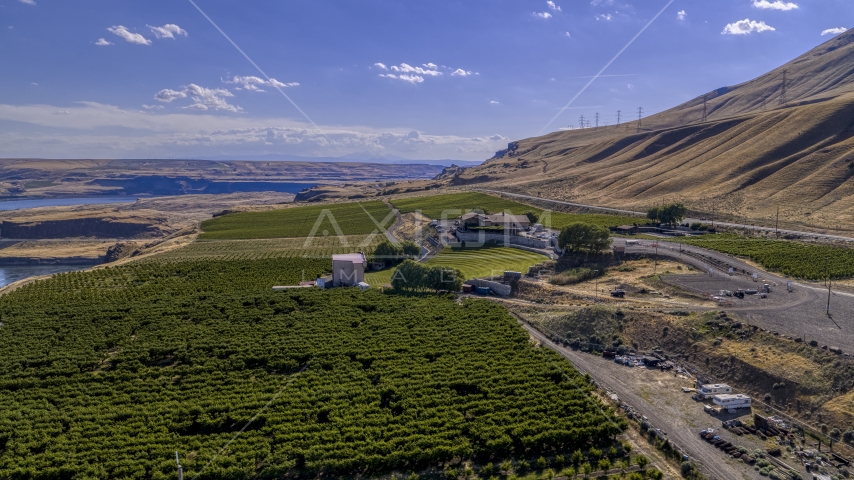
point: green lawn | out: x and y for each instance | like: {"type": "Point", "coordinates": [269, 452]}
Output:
{"type": "Point", "coordinates": [312, 221]}
{"type": "Point", "coordinates": [473, 262]}
{"type": "Point", "coordinates": [454, 204]}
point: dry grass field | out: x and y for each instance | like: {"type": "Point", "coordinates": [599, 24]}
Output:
{"type": "Point", "coordinates": [751, 156]}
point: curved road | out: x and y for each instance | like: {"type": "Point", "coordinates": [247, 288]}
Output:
{"type": "Point", "coordinates": [643, 214]}
{"type": "Point", "coordinates": [799, 313]}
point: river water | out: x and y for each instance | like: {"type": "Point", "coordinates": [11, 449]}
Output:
{"type": "Point", "coordinates": [14, 273]}
{"type": "Point", "coordinates": [61, 202]}
{"type": "Point", "coordinates": [19, 272]}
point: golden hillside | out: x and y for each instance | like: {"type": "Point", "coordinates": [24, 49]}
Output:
{"type": "Point", "coordinates": [751, 155]}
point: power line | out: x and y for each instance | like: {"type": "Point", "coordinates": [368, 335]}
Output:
{"type": "Point", "coordinates": [581, 121]}
{"type": "Point", "coordinates": [640, 115]}
{"type": "Point", "coordinates": [618, 116]}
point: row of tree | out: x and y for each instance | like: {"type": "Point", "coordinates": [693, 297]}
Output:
{"type": "Point", "coordinates": [580, 237]}
{"type": "Point", "coordinates": [396, 252]}
{"type": "Point", "coordinates": [416, 277]}
{"type": "Point", "coordinates": [672, 214]}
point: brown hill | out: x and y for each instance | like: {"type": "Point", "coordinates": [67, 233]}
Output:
{"type": "Point", "coordinates": [751, 155]}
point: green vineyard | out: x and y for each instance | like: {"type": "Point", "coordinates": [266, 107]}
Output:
{"type": "Point", "coordinates": [453, 205]}
{"type": "Point", "coordinates": [474, 262]}
{"type": "Point", "coordinates": [105, 374]}
{"type": "Point", "coordinates": [312, 221]}
{"type": "Point", "coordinates": [801, 260]}
{"type": "Point", "coordinates": [319, 247]}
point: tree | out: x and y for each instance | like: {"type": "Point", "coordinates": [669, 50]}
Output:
{"type": "Point", "coordinates": [655, 474]}
{"type": "Point", "coordinates": [387, 251]}
{"type": "Point", "coordinates": [582, 236]}
{"type": "Point", "coordinates": [672, 214]}
{"type": "Point", "coordinates": [604, 464]}
{"type": "Point", "coordinates": [642, 461]}
{"type": "Point", "coordinates": [409, 275]}
{"type": "Point", "coordinates": [410, 249]}
{"type": "Point", "coordinates": [444, 278]}
{"type": "Point", "coordinates": [576, 457]}
{"type": "Point", "coordinates": [532, 217]}
{"type": "Point", "coordinates": [541, 462]}
{"type": "Point", "coordinates": [653, 214]}
{"type": "Point", "coordinates": [586, 468]}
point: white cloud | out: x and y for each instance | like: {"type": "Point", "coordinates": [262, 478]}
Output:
{"type": "Point", "coordinates": [461, 73]}
{"type": "Point", "coordinates": [432, 66]}
{"type": "Point", "coordinates": [102, 42]}
{"type": "Point", "coordinates": [167, 31]}
{"type": "Point", "coordinates": [834, 31]}
{"type": "Point", "coordinates": [405, 77]}
{"type": "Point", "coordinates": [775, 5]}
{"type": "Point", "coordinates": [604, 16]}
{"type": "Point", "coordinates": [406, 68]}
{"type": "Point", "coordinates": [381, 66]}
{"type": "Point", "coordinates": [681, 15]}
{"type": "Point", "coordinates": [493, 102]}
{"type": "Point", "coordinates": [204, 98]}
{"type": "Point", "coordinates": [28, 2]}
{"type": "Point", "coordinates": [568, 35]}
{"type": "Point", "coordinates": [79, 132]}
{"type": "Point", "coordinates": [745, 27]}
{"type": "Point", "coordinates": [552, 5]}
{"type": "Point", "coordinates": [167, 95]}
{"type": "Point", "coordinates": [34, 84]}
{"type": "Point", "coordinates": [253, 83]}
{"type": "Point", "coordinates": [210, 98]}
{"type": "Point", "coordinates": [153, 107]}
{"type": "Point", "coordinates": [601, 2]}
{"type": "Point", "coordinates": [542, 15]}
{"type": "Point", "coordinates": [630, 86]}
{"type": "Point", "coordinates": [129, 36]}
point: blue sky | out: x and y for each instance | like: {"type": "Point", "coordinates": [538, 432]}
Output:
{"type": "Point", "coordinates": [404, 79]}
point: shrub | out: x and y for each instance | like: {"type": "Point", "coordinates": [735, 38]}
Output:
{"type": "Point", "coordinates": [451, 473]}
{"type": "Point", "coordinates": [487, 469]}
{"type": "Point", "coordinates": [848, 436]}
{"type": "Point", "coordinates": [523, 465]}
{"type": "Point", "coordinates": [506, 466]}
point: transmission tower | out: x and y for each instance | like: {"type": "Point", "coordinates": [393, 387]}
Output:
{"type": "Point", "coordinates": [704, 108]}
{"type": "Point", "coordinates": [581, 121]}
{"type": "Point", "coordinates": [597, 119]}
{"type": "Point", "coordinates": [618, 116]}
{"type": "Point", "coordinates": [783, 99]}
{"type": "Point", "coordinates": [640, 115]}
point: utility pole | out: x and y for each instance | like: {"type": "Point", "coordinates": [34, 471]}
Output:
{"type": "Point", "coordinates": [777, 223]}
{"type": "Point", "coordinates": [704, 107]}
{"type": "Point", "coordinates": [596, 293]}
{"type": "Point", "coordinates": [827, 269]}
{"type": "Point", "coordinates": [619, 112]}
{"type": "Point", "coordinates": [640, 115]}
{"type": "Point", "coordinates": [597, 119]}
{"type": "Point", "coordinates": [783, 99]}
{"type": "Point", "coordinates": [180, 468]}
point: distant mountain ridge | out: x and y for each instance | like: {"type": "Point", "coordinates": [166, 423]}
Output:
{"type": "Point", "coordinates": [754, 152]}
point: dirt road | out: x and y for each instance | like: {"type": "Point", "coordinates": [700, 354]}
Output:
{"type": "Point", "coordinates": [614, 378]}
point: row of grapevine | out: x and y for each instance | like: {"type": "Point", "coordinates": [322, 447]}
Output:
{"type": "Point", "coordinates": [801, 260]}
{"type": "Point", "coordinates": [105, 374]}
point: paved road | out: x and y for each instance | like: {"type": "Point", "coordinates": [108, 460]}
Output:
{"type": "Point", "coordinates": [614, 379]}
{"type": "Point", "coordinates": [689, 220]}
{"type": "Point", "coordinates": [801, 313]}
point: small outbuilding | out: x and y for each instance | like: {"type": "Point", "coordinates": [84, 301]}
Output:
{"type": "Point", "coordinates": [732, 402]}
{"type": "Point", "coordinates": [348, 269]}
{"type": "Point", "coordinates": [626, 230]}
